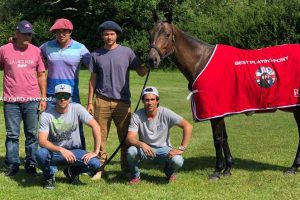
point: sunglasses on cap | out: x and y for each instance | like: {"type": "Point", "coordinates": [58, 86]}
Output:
{"type": "Point", "coordinates": [65, 96]}
{"type": "Point", "coordinates": [148, 90]}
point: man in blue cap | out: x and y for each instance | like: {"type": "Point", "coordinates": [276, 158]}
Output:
{"type": "Point", "coordinates": [109, 81]}
{"type": "Point", "coordinates": [24, 93]}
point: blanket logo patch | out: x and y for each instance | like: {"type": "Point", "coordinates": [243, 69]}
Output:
{"type": "Point", "coordinates": [265, 77]}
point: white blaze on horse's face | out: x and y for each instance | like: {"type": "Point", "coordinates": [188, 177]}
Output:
{"type": "Point", "coordinates": [161, 43]}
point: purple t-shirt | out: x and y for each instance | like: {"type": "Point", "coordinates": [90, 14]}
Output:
{"type": "Point", "coordinates": [112, 68]}
{"type": "Point", "coordinates": [20, 67]}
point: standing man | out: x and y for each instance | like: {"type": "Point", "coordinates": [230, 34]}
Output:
{"type": "Point", "coordinates": [152, 125]}
{"type": "Point", "coordinates": [64, 57]}
{"type": "Point", "coordinates": [60, 142]}
{"type": "Point", "coordinates": [109, 80]}
{"type": "Point", "coordinates": [24, 81]}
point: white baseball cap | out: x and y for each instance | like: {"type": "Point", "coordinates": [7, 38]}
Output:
{"type": "Point", "coordinates": [63, 88]}
{"type": "Point", "coordinates": [150, 90]}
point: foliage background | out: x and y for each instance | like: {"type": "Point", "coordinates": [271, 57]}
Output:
{"type": "Point", "coordinates": [241, 23]}
{"type": "Point", "coordinates": [262, 146]}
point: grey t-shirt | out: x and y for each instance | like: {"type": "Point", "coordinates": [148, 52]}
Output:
{"type": "Point", "coordinates": [155, 132]}
{"type": "Point", "coordinates": [112, 68]}
{"type": "Point", "coordinates": [63, 128]}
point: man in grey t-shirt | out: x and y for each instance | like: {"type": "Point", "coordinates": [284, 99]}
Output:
{"type": "Point", "coordinates": [60, 142]}
{"type": "Point", "coordinates": [152, 125]}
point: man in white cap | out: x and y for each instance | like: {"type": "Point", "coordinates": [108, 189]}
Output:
{"type": "Point", "coordinates": [149, 137]}
{"type": "Point", "coordinates": [24, 82]}
{"type": "Point", "coordinates": [60, 141]}
{"type": "Point", "coordinates": [64, 58]}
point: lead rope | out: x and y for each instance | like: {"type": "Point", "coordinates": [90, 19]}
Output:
{"type": "Point", "coordinates": [124, 138]}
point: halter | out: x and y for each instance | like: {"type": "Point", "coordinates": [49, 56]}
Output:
{"type": "Point", "coordinates": [159, 51]}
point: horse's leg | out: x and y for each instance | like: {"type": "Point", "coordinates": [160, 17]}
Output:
{"type": "Point", "coordinates": [227, 154]}
{"type": "Point", "coordinates": [296, 163]}
{"type": "Point", "coordinates": [218, 126]}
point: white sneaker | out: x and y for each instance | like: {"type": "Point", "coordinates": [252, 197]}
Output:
{"type": "Point", "coordinates": [97, 176]}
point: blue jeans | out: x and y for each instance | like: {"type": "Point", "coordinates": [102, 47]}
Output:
{"type": "Point", "coordinates": [48, 162]}
{"type": "Point", "coordinates": [14, 113]}
{"type": "Point", "coordinates": [136, 155]}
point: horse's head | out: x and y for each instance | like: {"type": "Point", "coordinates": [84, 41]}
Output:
{"type": "Point", "coordinates": [161, 40]}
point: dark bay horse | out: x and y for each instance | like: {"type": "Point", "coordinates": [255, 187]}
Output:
{"type": "Point", "coordinates": [191, 56]}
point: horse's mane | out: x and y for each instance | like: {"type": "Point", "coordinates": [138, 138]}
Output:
{"type": "Point", "coordinates": [192, 39]}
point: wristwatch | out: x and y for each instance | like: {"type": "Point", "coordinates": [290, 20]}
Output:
{"type": "Point", "coordinates": [181, 148]}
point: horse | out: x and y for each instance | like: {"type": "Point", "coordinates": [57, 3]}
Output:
{"type": "Point", "coordinates": [191, 56]}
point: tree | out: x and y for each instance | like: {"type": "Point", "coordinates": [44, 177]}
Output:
{"type": "Point", "coordinates": [241, 23]}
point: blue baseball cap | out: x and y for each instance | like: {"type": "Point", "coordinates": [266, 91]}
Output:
{"type": "Point", "coordinates": [109, 25]}
{"type": "Point", "coordinates": [25, 26]}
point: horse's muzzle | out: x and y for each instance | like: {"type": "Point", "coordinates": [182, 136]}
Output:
{"type": "Point", "coordinates": [153, 61]}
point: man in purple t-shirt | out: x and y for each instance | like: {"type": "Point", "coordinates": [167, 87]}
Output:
{"type": "Point", "coordinates": [24, 82]}
{"type": "Point", "coordinates": [109, 80]}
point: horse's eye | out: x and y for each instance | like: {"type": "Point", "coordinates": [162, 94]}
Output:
{"type": "Point", "coordinates": [168, 35]}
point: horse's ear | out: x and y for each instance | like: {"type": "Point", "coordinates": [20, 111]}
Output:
{"type": "Point", "coordinates": [169, 16]}
{"type": "Point", "coordinates": [155, 16]}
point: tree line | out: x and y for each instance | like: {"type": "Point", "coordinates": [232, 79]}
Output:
{"type": "Point", "coordinates": [242, 23]}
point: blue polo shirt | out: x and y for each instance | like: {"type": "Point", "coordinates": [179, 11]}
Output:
{"type": "Point", "coordinates": [64, 65]}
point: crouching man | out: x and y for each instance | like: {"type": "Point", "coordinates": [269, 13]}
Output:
{"type": "Point", "coordinates": [59, 139]}
{"type": "Point", "coordinates": [151, 125]}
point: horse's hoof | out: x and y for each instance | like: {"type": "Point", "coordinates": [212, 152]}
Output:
{"type": "Point", "coordinates": [226, 173]}
{"type": "Point", "coordinates": [214, 177]}
{"type": "Point", "coordinates": [289, 172]}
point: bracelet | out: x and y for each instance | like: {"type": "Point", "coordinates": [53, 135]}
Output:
{"type": "Point", "coordinates": [182, 148]}
{"type": "Point", "coordinates": [90, 103]}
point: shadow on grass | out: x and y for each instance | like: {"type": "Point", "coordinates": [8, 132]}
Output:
{"type": "Point", "coordinates": [118, 177]}
{"type": "Point", "coordinates": [2, 165]}
{"type": "Point", "coordinates": [25, 180]}
{"type": "Point", "coordinates": [22, 178]}
{"type": "Point", "coordinates": [208, 162]}
{"type": "Point", "coordinates": [190, 164]}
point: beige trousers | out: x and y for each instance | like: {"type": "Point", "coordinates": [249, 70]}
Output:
{"type": "Point", "coordinates": [106, 111]}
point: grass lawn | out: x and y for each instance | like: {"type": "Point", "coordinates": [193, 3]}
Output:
{"type": "Point", "coordinates": [262, 145]}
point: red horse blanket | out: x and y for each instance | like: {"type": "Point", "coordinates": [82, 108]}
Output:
{"type": "Point", "coordinates": [237, 81]}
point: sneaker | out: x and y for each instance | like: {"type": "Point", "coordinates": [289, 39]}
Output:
{"type": "Point", "coordinates": [172, 178]}
{"type": "Point", "coordinates": [73, 179]}
{"type": "Point", "coordinates": [135, 181]}
{"type": "Point", "coordinates": [97, 176]}
{"type": "Point", "coordinates": [50, 184]}
{"type": "Point", "coordinates": [31, 170]}
{"type": "Point", "coordinates": [11, 171]}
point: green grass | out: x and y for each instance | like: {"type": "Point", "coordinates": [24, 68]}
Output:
{"type": "Point", "coordinates": [262, 145]}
